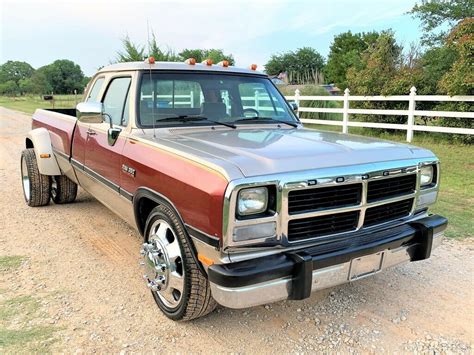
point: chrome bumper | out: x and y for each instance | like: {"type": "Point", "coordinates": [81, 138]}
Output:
{"type": "Point", "coordinates": [321, 278]}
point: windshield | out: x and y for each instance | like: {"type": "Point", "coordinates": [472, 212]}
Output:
{"type": "Point", "coordinates": [173, 99]}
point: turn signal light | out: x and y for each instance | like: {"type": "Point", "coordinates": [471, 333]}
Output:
{"type": "Point", "coordinates": [223, 63]}
{"type": "Point", "coordinates": [207, 61]}
{"type": "Point", "coordinates": [190, 61]}
{"type": "Point", "coordinates": [253, 67]}
{"type": "Point", "coordinates": [205, 260]}
{"type": "Point", "coordinates": [45, 155]}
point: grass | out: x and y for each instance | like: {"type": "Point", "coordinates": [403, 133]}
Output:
{"type": "Point", "coordinates": [29, 104]}
{"type": "Point", "coordinates": [17, 315]}
{"type": "Point", "coordinates": [11, 262]}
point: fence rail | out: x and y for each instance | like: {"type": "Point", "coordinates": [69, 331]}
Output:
{"type": "Point", "coordinates": [411, 112]}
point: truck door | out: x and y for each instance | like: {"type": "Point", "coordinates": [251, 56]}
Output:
{"type": "Point", "coordinates": [103, 159]}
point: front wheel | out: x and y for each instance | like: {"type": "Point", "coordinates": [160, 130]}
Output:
{"type": "Point", "coordinates": [36, 186]}
{"type": "Point", "coordinates": [177, 285]}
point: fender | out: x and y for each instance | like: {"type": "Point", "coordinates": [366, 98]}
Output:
{"type": "Point", "coordinates": [47, 164]}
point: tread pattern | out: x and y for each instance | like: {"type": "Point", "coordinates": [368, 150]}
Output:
{"type": "Point", "coordinates": [198, 299]}
{"type": "Point", "coordinates": [65, 191]}
{"type": "Point", "coordinates": [40, 187]}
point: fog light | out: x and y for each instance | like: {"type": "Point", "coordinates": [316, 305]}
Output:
{"type": "Point", "coordinates": [255, 231]}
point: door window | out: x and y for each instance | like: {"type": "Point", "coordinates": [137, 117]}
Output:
{"type": "Point", "coordinates": [115, 100]}
{"type": "Point", "coordinates": [94, 92]}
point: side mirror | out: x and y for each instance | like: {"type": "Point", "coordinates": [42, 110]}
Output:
{"type": "Point", "coordinates": [294, 106]}
{"type": "Point", "coordinates": [90, 112]}
{"type": "Point", "coordinates": [112, 135]}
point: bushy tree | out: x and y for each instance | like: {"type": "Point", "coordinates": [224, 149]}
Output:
{"type": "Point", "coordinates": [131, 52]}
{"type": "Point", "coordinates": [9, 88]}
{"type": "Point", "coordinates": [15, 71]}
{"type": "Point", "coordinates": [436, 14]}
{"type": "Point", "coordinates": [303, 66]}
{"type": "Point", "coordinates": [62, 77]}
{"type": "Point", "coordinates": [378, 66]}
{"type": "Point", "coordinates": [216, 55]}
{"type": "Point", "coordinates": [346, 52]}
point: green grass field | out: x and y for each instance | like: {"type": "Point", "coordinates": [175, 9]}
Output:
{"type": "Point", "coordinates": [29, 104]}
{"type": "Point", "coordinates": [456, 198]}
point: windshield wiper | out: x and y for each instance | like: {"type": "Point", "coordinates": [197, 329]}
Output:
{"type": "Point", "coordinates": [185, 118]}
{"type": "Point", "coordinates": [259, 118]}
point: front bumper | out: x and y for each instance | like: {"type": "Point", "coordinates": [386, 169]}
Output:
{"type": "Point", "coordinates": [294, 275]}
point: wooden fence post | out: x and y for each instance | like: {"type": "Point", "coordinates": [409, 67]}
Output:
{"type": "Point", "coordinates": [297, 100]}
{"type": "Point", "coordinates": [411, 114]}
{"type": "Point", "coordinates": [345, 113]}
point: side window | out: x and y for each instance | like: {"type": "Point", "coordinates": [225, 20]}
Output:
{"type": "Point", "coordinates": [94, 92]}
{"type": "Point", "coordinates": [116, 100]}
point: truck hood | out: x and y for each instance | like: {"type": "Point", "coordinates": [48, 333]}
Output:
{"type": "Point", "coordinates": [262, 151]}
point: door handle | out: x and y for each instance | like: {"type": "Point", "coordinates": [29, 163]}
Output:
{"type": "Point", "coordinates": [91, 132]}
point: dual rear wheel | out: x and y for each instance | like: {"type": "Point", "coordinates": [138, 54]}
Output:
{"type": "Point", "coordinates": [39, 189]}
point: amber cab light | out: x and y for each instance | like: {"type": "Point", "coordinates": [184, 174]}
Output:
{"type": "Point", "coordinates": [207, 61]}
{"type": "Point", "coordinates": [190, 61]}
{"type": "Point", "coordinates": [223, 63]}
{"type": "Point", "coordinates": [253, 67]}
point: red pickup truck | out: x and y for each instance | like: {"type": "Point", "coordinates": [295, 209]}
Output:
{"type": "Point", "coordinates": [236, 201]}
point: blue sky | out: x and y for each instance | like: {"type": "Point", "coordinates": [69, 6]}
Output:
{"type": "Point", "coordinates": [89, 32]}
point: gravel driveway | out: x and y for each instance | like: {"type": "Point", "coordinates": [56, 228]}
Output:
{"type": "Point", "coordinates": [79, 267]}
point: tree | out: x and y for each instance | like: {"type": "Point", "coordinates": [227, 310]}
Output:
{"type": "Point", "coordinates": [9, 88]}
{"type": "Point", "coordinates": [216, 55]}
{"type": "Point", "coordinates": [62, 77]}
{"type": "Point", "coordinates": [345, 52]}
{"type": "Point", "coordinates": [434, 14]}
{"type": "Point", "coordinates": [459, 80]}
{"type": "Point", "coordinates": [378, 66]}
{"type": "Point", "coordinates": [303, 66]}
{"type": "Point", "coordinates": [131, 52]}
{"type": "Point", "coordinates": [15, 71]}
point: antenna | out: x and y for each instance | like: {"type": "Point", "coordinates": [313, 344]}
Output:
{"type": "Point", "coordinates": [151, 83]}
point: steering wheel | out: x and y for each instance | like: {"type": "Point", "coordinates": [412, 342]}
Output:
{"type": "Point", "coordinates": [251, 110]}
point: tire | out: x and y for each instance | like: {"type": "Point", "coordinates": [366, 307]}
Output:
{"type": "Point", "coordinates": [63, 189]}
{"type": "Point", "coordinates": [36, 186]}
{"type": "Point", "coordinates": [195, 299]}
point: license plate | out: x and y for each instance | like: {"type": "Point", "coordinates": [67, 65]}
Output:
{"type": "Point", "coordinates": [365, 266]}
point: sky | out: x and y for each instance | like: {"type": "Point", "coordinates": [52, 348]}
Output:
{"type": "Point", "coordinates": [90, 32]}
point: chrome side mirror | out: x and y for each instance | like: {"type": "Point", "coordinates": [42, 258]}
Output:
{"type": "Point", "coordinates": [112, 135]}
{"type": "Point", "coordinates": [90, 112]}
{"type": "Point", "coordinates": [294, 106]}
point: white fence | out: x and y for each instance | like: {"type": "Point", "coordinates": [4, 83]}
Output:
{"type": "Point", "coordinates": [411, 113]}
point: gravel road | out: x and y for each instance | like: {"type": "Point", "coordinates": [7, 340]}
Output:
{"type": "Point", "coordinates": [82, 269]}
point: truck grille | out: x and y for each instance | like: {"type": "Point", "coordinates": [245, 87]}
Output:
{"type": "Point", "coordinates": [350, 196]}
{"type": "Point", "coordinates": [322, 225]}
{"type": "Point", "coordinates": [393, 187]}
{"type": "Point", "coordinates": [388, 212]}
{"type": "Point", "coordinates": [300, 201]}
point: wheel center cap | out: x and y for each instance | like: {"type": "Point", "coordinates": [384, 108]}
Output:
{"type": "Point", "coordinates": [156, 264]}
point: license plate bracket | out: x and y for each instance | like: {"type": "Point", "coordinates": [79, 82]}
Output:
{"type": "Point", "coordinates": [365, 266]}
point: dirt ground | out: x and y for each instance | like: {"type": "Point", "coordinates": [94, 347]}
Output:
{"type": "Point", "coordinates": [70, 281]}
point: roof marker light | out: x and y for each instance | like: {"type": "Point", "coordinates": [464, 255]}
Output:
{"type": "Point", "coordinates": [190, 61]}
{"type": "Point", "coordinates": [223, 63]}
{"type": "Point", "coordinates": [253, 67]}
{"type": "Point", "coordinates": [207, 62]}
{"type": "Point", "coordinates": [150, 60]}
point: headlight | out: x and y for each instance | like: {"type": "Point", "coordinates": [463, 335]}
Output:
{"type": "Point", "coordinates": [427, 174]}
{"type": "Point", "coordinates": [252, 201]}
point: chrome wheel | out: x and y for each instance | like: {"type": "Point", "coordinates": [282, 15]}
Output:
{"type": "Point", "coordinates": [54, 187]}
{"type": "Point", "coordinates": [164, 272]}
{"type": "Point", "coordinates": [25, 179]}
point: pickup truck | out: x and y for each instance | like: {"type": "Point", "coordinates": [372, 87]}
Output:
{"type": "Point", "coordinates": [237, 203]}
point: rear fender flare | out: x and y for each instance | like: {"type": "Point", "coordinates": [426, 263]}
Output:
{"type": "Point", "coordinates": [47, 164]}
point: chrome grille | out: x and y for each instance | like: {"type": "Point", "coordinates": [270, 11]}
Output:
{"type": "Point", "coordinates": [319, 198]}
{"type": "Point", "coordinates": [393, 187]}
{"type": "Point", "coordinates": [364, 201]}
